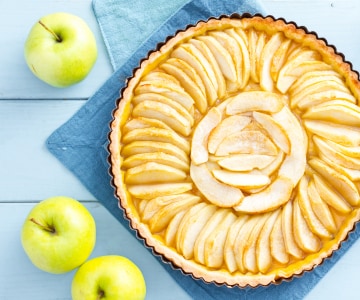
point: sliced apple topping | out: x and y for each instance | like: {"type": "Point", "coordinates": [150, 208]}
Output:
{"type": "Point", "coordinates": [188, 233]}
{"type": "Point", "coordinates": [287, 225]}
{"type": "Point", "coordinates": [141, 147]}
{"type": "Point", "coordinates": [150, 191]}
{"type": "Point", "coordinates": [342, 183]}
{"type": "Point", "coordinates": [193, 56]}
{"type": "Point", "coordinates": [272, 45]}
{"type": "Point", "coordinates": [304, 237]}
{"type": "Point", "coordinates": [157, 157]}
{"type": "Point", "coordinates": [244, 180]}
{"type": "Point", "coordinates": [165, 113]}
{"type": "Point", "coordinates": [152, 172]}
{"type": "Point", "coordinates": [263, 248]}
{"type": "Point", "coordinates": [204, 49]}
{"type": "Point", "coordinates": [215, 242]}
{"type": "Point", "coordinates": [255, 101]}
{"type": "Point", "coordinates": [312, 220]}
{"type": "Point", "coordinates": [277, 242]}
{"type": "Point", "coordinates": [210, 226]}
{"type": "Point", "coordinates": [218, 193]}
{"type": "Point", "coordinates": [226, 127]}
{"type": "Point", "coordinates": [172, 91]}
{"type": "Point", "coordinates": [246, 142]}
{"type": "Point", "coordinates": [275, 195]}
{"type": "Point", "coordinates": [341, 134]}
{"type": "Point", "coordinates": [199, 152]}
{"type": "Point", "coordinates": [276, 131]}
{"type": "Point", "coordinates": [189, 80]}
{"type": "Point", "coordinates": [330, 195]}
{"type": "Point", "coordinates": [142, 122]}
{"type": "Point", "coordinates": [157, 135]}
{"type": "Point", "coordinates": [222, 57]}
{"type": "Point", "coordinates": [337, 111]}
{"type": "Point", "coordinates": [245, 162]}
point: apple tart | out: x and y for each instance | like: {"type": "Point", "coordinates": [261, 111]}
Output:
{"type": "Point", "coordinates": [235, 150]}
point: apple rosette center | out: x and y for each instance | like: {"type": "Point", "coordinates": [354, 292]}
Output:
{"type": "Point", "coordinates": [248, 153]}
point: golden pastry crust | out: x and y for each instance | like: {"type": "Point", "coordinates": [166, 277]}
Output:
{"type": "Point", "coordinates": [253, 108]}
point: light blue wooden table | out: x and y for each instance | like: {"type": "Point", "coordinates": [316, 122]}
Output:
{"type": "Point", "coordinates": [30, 111]}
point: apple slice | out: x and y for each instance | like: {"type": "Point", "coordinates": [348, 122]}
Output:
{"type": "Point", "coordinates": [199, 152]}
{"type": "Point", "coordinates": [141, 147]}
{"type": "Point", "coordinates": [277, 243]}
{"type": "Point", "coordinates": [141, 122]}
{"type": "Point", "coordinates": [275, 195]}
{"type": "Point", "coordinates": [150, 191]}
{"type": "Point", "coordinates": [245, 162]}
{"type": "Point", "coordinates": [226, 127]}
{"type": "Point", "coordinates": [342, 134]}
{"type": "Point", "coordinates": [271, 46]}
{"type": "Point", "coordinates": [201, 46]}
{"type": "Point", "coordinates": [263, 250]}
{"type": "Point", "coordinates": [320, 86]}
{"type": "Point", "coordinates": [222, 57]}
{"type": "Point", "coordinates": [178, 68]}
{"type": "Point", "coordinates": [335, 156]}
{"type": "Point", "coordinates": [342, 184]}
{"type": "Point", "coordinates": [313, 77]}
{"type": "Point", "coordinates": [188, 114]}
{"type": "Point", "coordinates": [310, 217]}
{"type": "Point", "coordinates": [240, 37]}
{"type": "Point", "coordinates": [214, 221]}
{"type": "Point", "coordinates": [214, 191]}
{"type": "Point", "coordinates": [172, 229]}
{"type": "Point", "coordinates": [158, 75]}
{"type": "Point", "coordinates": [242, 241]}
{"type": "Point", "coordinates": [229, 251]}
{"type": "Point", "coordinates": [276, 131]}
{"type": "Point", "coordinates": [191, 229]}
{"type": "Point", "coordinates": [331, 196]}
{"type": "Point", "coordinates": [252, 43]}
{"type": "Point", "coordinates": [294, 68]}
{"type": "Point", "coordinates": [249, 256]}
{"type": "Point", "coordinates": [352, 174]}
{"type": "Point", "coordinates": [279, 58]}
{"type": "Point", "coordinates": [324, 96]}
{"type": "Point", "coordinates": [162, 217]}
{"type": "Point", "coordinates": [255, 101]}
{"type": "Point", "coordinates": [215, 242]}
{"type": "Point", "coordinates": [349, 151]}
{"type": "Point", "coordinates": [304, 237]}
{"type": "Point", "coordinates": [246, 142]}
{"type": "Point", "coordinates": [320, 208]}
{"type": "Point", "coordinates": [233, 48]}
{"type": "Point", "coordinates": [172, 91]}
{"type": "Point", "coordinates": [288, 231]}
{"type": "Point", "coordinates": [157, 135]}
{"type": "Point", "coordinates": [152, 172]}
{"type": "Point", "coordinates": [193, 56]}
{"type": "Point", "coordinates": [165, 113]}
{"type": "Point", "coordinates": [157, 157]}
{"type": "Point", "coordinates": [242, 180]}
{"type": "Point", "coordinates": [260, 44]}
{"type": "Point", "coordinates": [274, 165]}
{"type": "Point", "coordinates": [348, 114]}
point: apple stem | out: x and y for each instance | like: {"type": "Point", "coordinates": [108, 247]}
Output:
{"type": "Point", "coordinates": [51, 31]}
{"type": "Point", "coordinates": [101, 295]}
{"type": "Point", "coordinates": [47, 228]}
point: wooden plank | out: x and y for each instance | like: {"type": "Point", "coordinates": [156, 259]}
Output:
{"type": "Point", "coordinates": [19, 279]}
{"type": "Point", "coordinates": [28, 171]}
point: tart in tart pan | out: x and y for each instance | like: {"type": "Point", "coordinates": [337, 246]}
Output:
{"type": "Point", "coordinates": [235, 150]}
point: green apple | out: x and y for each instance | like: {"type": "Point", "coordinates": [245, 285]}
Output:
{"type": "Point", "coordinates": [60, 49]}
{"type": "Point", "coordinates": [59, 234]}
{"type": "Point", "coordinates": [109, 277]}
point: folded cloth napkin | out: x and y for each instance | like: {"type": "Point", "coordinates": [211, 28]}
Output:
{"type": "Point", "coordinates": [130, 29]}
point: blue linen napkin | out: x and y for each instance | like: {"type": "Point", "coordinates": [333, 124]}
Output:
{"type": "Point", "coordinates": [130, 29]}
